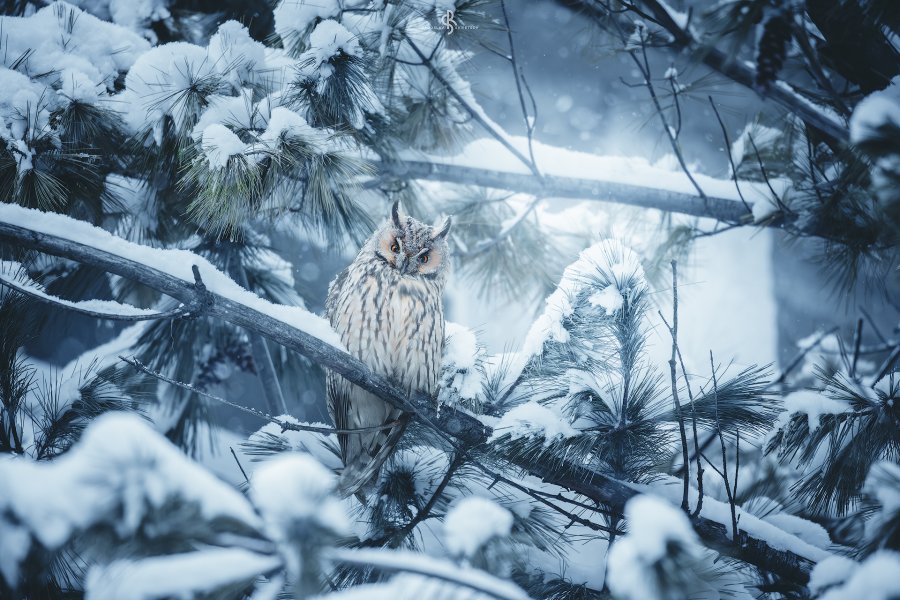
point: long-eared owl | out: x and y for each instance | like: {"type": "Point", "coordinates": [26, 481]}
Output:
{"type": "Point", "coordinates": [387, 307]}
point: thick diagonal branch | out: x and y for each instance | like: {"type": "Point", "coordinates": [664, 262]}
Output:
{"type": "Point", "coordinates": [464, 427]}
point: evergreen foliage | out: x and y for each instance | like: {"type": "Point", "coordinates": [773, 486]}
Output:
{"type": "Point", "coordinates": [264, 136]}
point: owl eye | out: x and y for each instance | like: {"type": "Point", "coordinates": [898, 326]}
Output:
{"type": "Point", "coordinates": [395, 247]}
{"type": "Point", "coordinates": [424, 258]}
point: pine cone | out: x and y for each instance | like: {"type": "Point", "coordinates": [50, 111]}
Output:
{"type": "Point", "coordinates": [772, 50]}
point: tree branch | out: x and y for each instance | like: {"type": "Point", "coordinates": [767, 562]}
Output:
{"type": "Point", "coordinates": [739, 72]}
{"type": "Point", "coordinates": [467, 429]}
{"type": "Point", "coordinates": [553, 186]}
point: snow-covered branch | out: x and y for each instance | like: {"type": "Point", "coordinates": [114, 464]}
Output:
{"type": "Point", "coordinates": [172, 272]}
{"type": "Point", "coordinates": [99, 309]}
{"type": "Point", "coordinates": [553, 186]}
{"type": "Point", "coordinates": [413, 562]}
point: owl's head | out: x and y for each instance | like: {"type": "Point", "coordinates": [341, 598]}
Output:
{"type": "Point", "coordinates": [412, 247]}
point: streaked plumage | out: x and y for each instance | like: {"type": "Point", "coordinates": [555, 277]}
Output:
{"type": "Point", "coordinates": [387, 308]}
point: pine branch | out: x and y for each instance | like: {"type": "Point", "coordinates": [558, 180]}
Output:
{"type": "Point", "coordinates": [462, 426]}
{"type": "Point", "coordinates": [128, 313]}
{"type": "Point", "coordinates": [739, 72]}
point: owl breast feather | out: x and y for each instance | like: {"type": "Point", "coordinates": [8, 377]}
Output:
{"type": "Point", "coordinates": [393, 324]}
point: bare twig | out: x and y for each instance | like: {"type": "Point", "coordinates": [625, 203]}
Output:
{"type": "Point", "coordinates": [736, 70]}
{"type": "Point", "coordinates": [734, 174]}
{"type": "Point", "coordinates": [801, 355]}
{"type": "Point", "coordinates": [520, 77]}
{"type": "Point", "coordinates": [673, 331]}
{"type": "Point", "coordinates": [285, 425]}
{"type": "Point", "coordinates": [241, 467]}
{"type": "Point", "coordinates": [673, 141]}
{"type": "Point", "coordinates": [728, 492]}
{"type": "Point", "coordinates": [475, 114]}
{"type": "Point", "coordinates": [857, 340]}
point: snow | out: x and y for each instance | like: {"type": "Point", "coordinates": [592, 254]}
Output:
{"type": "Point", "coordinates": [472, 523]}
{"type": "Point", "coordinates": [883, 483]}
{"type": "Point", "coordinates": [655, 528]}
{"type": "Point", "coordinates": [597, 258]}
{"type": "Point", "coordinates": [235, 54]}
{"type": "Point", "coordinates": [875, 112]}
{"type": "Point", "coordinates": [670, 488]}
{"type": "Point", "coordinates": [108, 307]}
{"type": "Point", "coordinates": [91, 50]}
{"type": "Point", "coordinates": [175, 262]}
{"type": "Point", "coordinates": [329, 39]}
{"type": "Point", "coordinates": [238, 112]}
{"type": "Point", "coordinates": [461, 374]}
{"type": "Point", "coordinates": [284, 122]}
{"type": "Point", "coordinates": [293, 17]}
{"type": "Point", "coordinates": [814, 405]}
{"type": "Point", "coordinates": [120, 472]}
{"type": "Point", "coordinates": [488, 153]}
{"type": "Point", "coordinates": [875, 579]}
{"type": "Point", "coordinates": [831, 571]}
{"type": "Point", "coordinates": [177, 575]}
{"type": "Point", "coordinates": [761, 135]}
{"type": "Point", "coordinates": [294, 488]}
{"type": "Point", "coordinates": [763, 208]}
{"type": "Point", "coordinates": [414, 562]}
{"type": "Point", "coordinates": [808, 531]}
{"type": "Point", "coordinates": [533, 419]}
{"type": "Point", "coordinates": [219, 144]}
{"type": "Point", "coordinates": [610, 298]}
{"type": "Point", "coordinates": [156, 86]}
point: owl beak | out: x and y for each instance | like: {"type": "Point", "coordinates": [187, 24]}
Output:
{"type": "Point", "coordinates": [404, 265]}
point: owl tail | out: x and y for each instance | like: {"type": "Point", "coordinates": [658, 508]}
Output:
{"type": "Point", "coordinates": [362, 473]}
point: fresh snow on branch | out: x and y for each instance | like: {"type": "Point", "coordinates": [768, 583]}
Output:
{"type": "Point", "coordinates": [120, 472]}
{"type": "Point", "coordinates": [174, 262]}
{"type": "Point", "coordinates": [533, 420]}
{"type": "Point", "coordinates": [177, 575]}
{"type": "Point", "coordinates": [414, 562]}
{"type": "Point", "coordinates": [472, 523]}
{"type": "Point", "coordinates": [96, 308]}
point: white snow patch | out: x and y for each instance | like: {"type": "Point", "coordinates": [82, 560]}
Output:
{"type": "Point", "coordinates": [610, 298]}
{"type": "Point", "coordinates": [292, 17]}
{"type": "Point", "coordinates": [875, 112]}
{"type": "Point", "coordinates": [157, 82]}
{"type": "Point", "coordinates": [875, 579]}
{"type": "Point", "coordinates": [533, 419]}
{"type": "Point", "coordinates": [830, 572]}
{"type": "Point", "coordinates": [809, 532]}
{"type": "Point", "coordinates": [219, 144]}
{"type": "Point", "coordinates": [654, 526]}
{"type": "Point", "coordinates": [118, 472]}
{"type": "Point", "coordinates": [461, 377]}
{"type": "Point", "coordinates": [329, 39]}
{"type": "Point", "coordinates": [549, 325]}
{"type": "Point", "coordinates": [814, 405]}
{"type": "Point", "coordinates": [473, 522]}
{"type": "Point", "coordinates": [294, 488]}
{"type": "Point", "coordinates": [176, 575]}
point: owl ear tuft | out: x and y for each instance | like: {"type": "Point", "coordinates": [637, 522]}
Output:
{"type": "Point", "coordinates": [395, 215]}
{"type": "Point", "coordinates": [442, 230]}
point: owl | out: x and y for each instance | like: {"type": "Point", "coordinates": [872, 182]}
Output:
{"type": "Point", "coordinates": [387, 307]}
